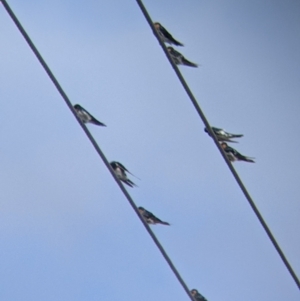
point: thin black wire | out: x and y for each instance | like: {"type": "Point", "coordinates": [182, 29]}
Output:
{"type": "Point", "coordinates": [94, 143]}
{"type": "Point", "coordinates": [207, 125]}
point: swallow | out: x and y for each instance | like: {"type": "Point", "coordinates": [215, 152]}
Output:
{"type": "Point", "coordinates": [150, 218]}
{"type": "Point", "coordinates": [234, 155]}
{"type": "Point", "coordinates": [85, 116]}
{"type": "Point", "coordinates": [197, 296]}
{"type": "Point", "coordinates": [165, 35]}
{"type": "Point", "coordinates": [120, 172]}
{"type": "Point", "coordinates": [223, 135]}
{"type": "Point", "coordinates": [179, 59]}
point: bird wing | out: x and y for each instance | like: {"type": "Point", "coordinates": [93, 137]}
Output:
{"type": "Point", "coordinates": [153, 219]}
{"type": "Point", "coordinates": [231, 150]}
{"type": "Point", "coordinates": [121, 166]}
{"type": "Point", "coordinates": [220, 138]}
{"type": "Point", "coordinates": [231, 153]}
{"type": "Point", "coordinates": [125, 169]}
{"type": "Point", "coordinates": [168, 36]}
{"type": "Point", "coordinates": [92, 119]}
{"type": "Point", "coordinates": [188, 63]}
{"type": "Point", "coordinates": [222, 132]}
{"type": "Point", "coordinates": [95, 121]}
{"type": "Point", "coordinates": [165, 33]}
{"type": "Point", "coordinates": [243, 158]}
{"type": "Point", "coordinates": [236, 135]}
{"type": "Point", "coordinates": [164, 223]}
{"type": "Point", "coordinates": [129, 183]}
{"type": "Point", "coordinates": [216, 130]}
{"type": "Point", "coordinates": [199, 297]}
{"type": "Point", "coordinates": [148, 214]}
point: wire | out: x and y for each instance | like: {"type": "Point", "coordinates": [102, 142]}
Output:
{"type": "Point", "coordinates": [207, 125]}
{"type": "Point", "coordinates": [94, 143]}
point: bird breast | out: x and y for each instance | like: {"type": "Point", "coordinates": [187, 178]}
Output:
{"type": "Point", "coordinates": [84, 116]}
{"type": "Point", "coordinates": [120, 173]}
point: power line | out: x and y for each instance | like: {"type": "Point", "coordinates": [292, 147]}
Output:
{"type": "Point", "coordinates": [94, 143]}
{"type": "Point", "coordinates": [207, 125]}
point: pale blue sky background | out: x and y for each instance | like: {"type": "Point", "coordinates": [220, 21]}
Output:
{"type": "Point", "coordinates": [67, 232]}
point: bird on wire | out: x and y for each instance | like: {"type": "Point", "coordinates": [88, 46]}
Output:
{"type": "Point", "coordinates": [165, 35]}
{"type": "Point", "coordinates": [222, 135]}
{"type": "Point", "coordinates": [234, 155]}
{"type": "Point", "coordinates": [85, 116]}
{"type": "Point", "coordinates": [120, 172]}
{"type": "Point", "coordinates": [179, 59]}
{"type": "Point", "coordinates": [197, 296]}
{"type": "Point", "coordinates": [150, 218]}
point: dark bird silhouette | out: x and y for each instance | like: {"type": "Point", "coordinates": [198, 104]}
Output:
{"type": "Point", "coordinates": [165, 35]}
{"type": "Point", "coordinates": [234, 155]}
{"type": "Point", "coordinates": [197, 296]}
{"type": "Point", "coordinates": [85, 116]}
{"type": "Point", "coordinates": [150, 218]}
{"type": "Point", "coordinates": [120, 171]}
{"type": "Point", "coordinates": [179, 59]}
{"type": "Point", "coordinates": [222, 135]}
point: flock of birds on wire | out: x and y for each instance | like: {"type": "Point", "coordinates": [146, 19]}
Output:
{"type": "Point", "coordinates": [179, 59]}
{"type": "Point", "coordinates": [222, 136]}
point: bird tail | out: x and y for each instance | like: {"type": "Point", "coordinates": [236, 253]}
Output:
{"type": "Point", "coordinates": [177, 43]}
{"type": "Point", "coordinates": [249, 159]}
{"type": "Point", "coordinates": [164, 223]}
{"type": "Point", "coordinates": [227, 140]}
{"type": "Point", "coordinates": [188, 63]}
{"type": "Point", "coordinates": [95, 121]}
{"type": "Point", "coordinates": [133, 175]}
{"type": "Point", "coordinates": [236, 135]}
{"type": "Point", "coordinates": [130, 183]}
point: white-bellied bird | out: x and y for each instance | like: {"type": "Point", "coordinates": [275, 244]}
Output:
{"type": "Point", "coordinates": [179, 59]}
{"type": "Point", "coordinates": [85, 116]}
{"type": "Point", "coordinates": [120, 172]}
{"type": "Point", "coordinates": [150, 218]}
{"type": "Point", "coordinates": [222, 135]}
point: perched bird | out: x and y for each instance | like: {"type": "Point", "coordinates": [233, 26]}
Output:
{"type": "Point", "coordinates": [165, 35]}
{"type": "Point", "coordinates": [222, 135]}
{"type": "Point", "coordinates": [197, 296]}
{"type": "Point", "coordinates": [151, 218]}
{"type": "Point", "coordinates": [120, 171]}
{"type": "Point", "coordinates": [179, 59]}
{"type": "Point", "coordinates": [85, 116]}
{"type": "Point", "coordinates": [234, 155]}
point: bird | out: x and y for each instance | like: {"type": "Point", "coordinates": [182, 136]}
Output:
{"type": "Point", "coordinates": [179, 59]}
{"type": "Point", "coordinates": [120, 172]}
{"type": "Point", "coordinates": [222, 135]}
{"type": "Point", "coordinates": [197, 296]}
{"type": "Point", "coordinates": [165, 35]}
{"type": "Point", "coordinates": [234, 155]}
{"type": "Point", "coordinates": [150, 218]}
{"type": "Point", "coordinates": [85, 116]}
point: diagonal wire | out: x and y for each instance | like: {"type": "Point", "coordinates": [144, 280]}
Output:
{"type": "Point", "coordinates": [94, 143]}
{"type": "Point", "coordinates": [207, 125]}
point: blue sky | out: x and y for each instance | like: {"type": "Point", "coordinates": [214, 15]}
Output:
{"type": "Point", "coordinates": [66, 230]}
